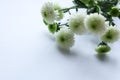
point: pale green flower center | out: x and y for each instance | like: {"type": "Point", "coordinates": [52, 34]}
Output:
{"type": "Point", "coordinates": [45, 14]}
{"type": "Point", "coordinates": [62, 39]}
{"type": "Point", "coordinates": [93, 26]}
{"type": "Point", "coordinates": [109, 36]}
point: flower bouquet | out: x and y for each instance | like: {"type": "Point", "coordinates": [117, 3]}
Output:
{"type": "Point", "coordinates": [98, 20]}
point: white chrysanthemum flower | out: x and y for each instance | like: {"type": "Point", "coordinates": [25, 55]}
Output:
{"type": "Point", "coordinates": [111, 35]}
{"type": "Point", "coordinates": [76, 23]}
{"type": "Point", "coordinates": [64, 38]}
{"type": "Point", "coordinates": [95, 23]}
{"type": "Point", "coordinates": [59, 13]}
{"type": "Point", "coordinates": [48, 12]}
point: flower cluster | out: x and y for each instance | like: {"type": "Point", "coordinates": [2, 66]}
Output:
{"type": "Point", "coordinates": [98, 20]}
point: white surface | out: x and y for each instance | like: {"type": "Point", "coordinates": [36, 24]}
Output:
{"type": "Point", "coordinates": [29, 52]}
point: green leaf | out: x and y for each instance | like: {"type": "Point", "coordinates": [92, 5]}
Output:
{"type": "Point", "coordinates": [94, 9]}
{"type": "Point", "coordinates": [79, 3]}
{"type": "Point", "coordinates": [91, 3]}
{"type": "Point", "coordinates": [108, 18]}
{"type": "Point", "coordinates": [114, 2]}
{"type": "Point", "coordinates": [105, 6]}
{"type": "Point", "coordinates": [85, 1]}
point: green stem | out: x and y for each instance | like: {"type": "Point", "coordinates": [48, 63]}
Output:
{"type": "Point", "coordinates": [67, 9]}
{"type": "Point", "coordinates": [65, 24]}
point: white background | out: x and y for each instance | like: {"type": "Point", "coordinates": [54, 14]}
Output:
{"type": "Point", "coordinates": [29, 52]}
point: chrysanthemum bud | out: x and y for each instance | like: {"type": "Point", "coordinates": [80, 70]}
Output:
{"type": "Point", "coordinates": [102, 49]}
{"type": "Point", "coordinates": [52, 27]}
{"type": "Point", "coordinates": [114, 12]}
